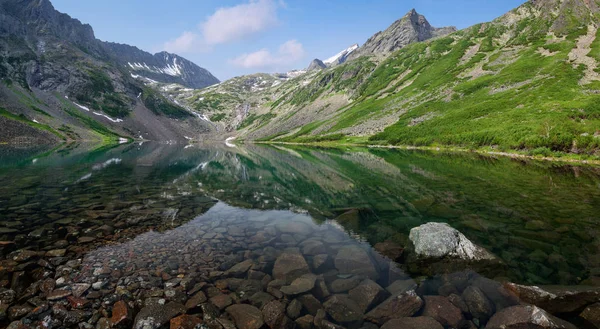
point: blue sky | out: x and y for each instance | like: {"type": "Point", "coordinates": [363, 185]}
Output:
{"type": "Point", "coordinates": [236, 37]}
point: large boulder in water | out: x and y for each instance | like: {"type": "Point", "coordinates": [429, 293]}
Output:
{"type": "Point", "coordinates": [439, 240]}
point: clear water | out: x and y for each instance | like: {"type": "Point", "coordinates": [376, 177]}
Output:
{"type": "Point", "coordinates": [148, 207]}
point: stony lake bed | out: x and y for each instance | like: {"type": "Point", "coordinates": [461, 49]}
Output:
{"type": "Point", "coordinates": [159, 236]}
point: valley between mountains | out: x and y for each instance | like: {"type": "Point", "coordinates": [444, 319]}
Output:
{"type": "Point", "coordinates": [526, 82]}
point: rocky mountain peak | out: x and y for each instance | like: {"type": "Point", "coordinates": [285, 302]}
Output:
{"type": "Point", "coordinates": [316, 65]}
{"type": "Point", "coordinates": [412, 27]}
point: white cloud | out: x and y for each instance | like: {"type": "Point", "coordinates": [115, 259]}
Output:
{"type": "Point", "coordinates": [288, 53]}
{"type": "Point", "coordinates": [235, 23]}
{"type": "Point", "coordinates": [182, 44]}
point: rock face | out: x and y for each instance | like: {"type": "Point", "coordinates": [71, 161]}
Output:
{"type": "Point", "coordinates": [39, 18]}
{"type": "Point", "coordinates": [316, 65]}
{"type": "Point", "coordinates": [439, 240]}
{"type": "Point", "coordinates": [411, 28]}
{"type": "Point", "coordinates": [61, 61]}
{"type": "Point", "coordinates": [522, 316]}
{"type": "Point", "coordinates": [163, 67]}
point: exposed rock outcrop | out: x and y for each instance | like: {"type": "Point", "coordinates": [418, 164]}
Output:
{"type": "Point", "coordinates": [411, 28]}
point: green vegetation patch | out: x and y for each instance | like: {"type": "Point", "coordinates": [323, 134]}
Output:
{"type": "Point", "coordinates": [22, 118]}
{"type": "Point", "coordinates": [159, 105]}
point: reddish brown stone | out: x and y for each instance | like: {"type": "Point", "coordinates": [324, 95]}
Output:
{"type": "Point", "coordinates": [77, 302]}
{"type": "Point", "coordinates": [121, 315]}
{"type": "Point", "coordinates": [185, 322]}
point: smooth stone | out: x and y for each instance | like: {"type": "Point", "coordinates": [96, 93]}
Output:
{"type": "Point", "coordinates": [443, 311]}
{"type": "Point", "coordinates": [246, 316]}
{"type": "Point", "coordinates": [290, 266]}
{"type": "Point", "coordinates": [355, 260]}
{"type": "Point", "coordinates": [313, 248]}
{"type": "Point", "coordinates": [56, 253]}
{"type": "Point", "coordinates": [294, 308]}
{"type": "Point", "coordinates": [400, 286]}
{"type": "Point", "coordinates": [343, 285]}
{"type": "Point", "coordinates": [155, 316]}
{"type": "Point", "coordinates": [319, 262]}
{"type": "Point", "coordinates": [301, 285]}
{"type": "Point", "coordinates": [480, 306]}
{"type": "Point", "coordinates": [343, 309]}
{"type": "Point", "coordinates": [526, 316]}
{"type": "Point", "coordinates": [390, 250]}
{"type": "Point", "coordinates": [221, 301]}
{"type": "Point", "coordinates": [310, 303]}
{"type": "Point", "coordinates": [240, 268]}
{"type": "Point", "coordinates": [260, 299]}
{"type": "Point", "coordinates": [398, 306]}
{"type": "Point", "coordinates": [438, 240]}
{"type": "Point", "coordinates": [305, 322]}
{"type": "Point", "coordinates": [196, 300]}
{"type": "Point", "coordinates": [420, 322]}
{"type": "Point", "coordinates": [368, 294]}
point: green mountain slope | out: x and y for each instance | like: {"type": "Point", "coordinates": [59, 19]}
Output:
{"type": "Point", "coordinates": [529, 80]}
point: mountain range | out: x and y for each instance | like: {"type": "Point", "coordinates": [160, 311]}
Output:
{"type": "Point", "coordinates": [528, 82]}
{"type": "Point", "coordinates": [58, 77]}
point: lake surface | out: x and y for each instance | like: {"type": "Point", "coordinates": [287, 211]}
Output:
{"type": "Point", "coordinates": [167, 213]}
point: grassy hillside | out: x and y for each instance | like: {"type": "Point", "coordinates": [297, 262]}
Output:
{"type": "Point", "coordinates": [527, 81]}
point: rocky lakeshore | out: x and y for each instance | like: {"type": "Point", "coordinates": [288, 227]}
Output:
{"type": "Point", "coordinates": [250, 269]}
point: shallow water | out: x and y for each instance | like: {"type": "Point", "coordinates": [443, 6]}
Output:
{"type": "Point", "coordinates": [138, 212]}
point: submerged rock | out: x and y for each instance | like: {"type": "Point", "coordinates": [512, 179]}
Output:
{"type": "Point", "coordinates": [355, 260]}
{"type": "Point", "coordinates": [592, 314]}
{"type": "Point", "coordinates": [301, 285]}
{"type": "Point", "coordinates": [443, 311]}
{"type": "Point", "coordinates": [479, 305]}
{"type": "Point", "coordinates": [420, 322]}
{"type": "Point", "coordinates": [368, 294]}
{"type": "Point", "coordinates": [343, 309]}
{"type": "Point", "coordinates": [290, 266]}
{"type": "Point", "coordinates": [246, 316]}
{"type": "Point", "coordinates": [398, 306]}
{"type": "Point", "coordinates": [155, 316]}
{"type": "Point", "coordinates": [556, 299]}
{"type": "Point", "coordinates": [526, 316]}
{"type": "Point", "coordinates": [438, 240]}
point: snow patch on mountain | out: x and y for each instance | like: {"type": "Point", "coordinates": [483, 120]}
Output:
{"type": "Point", "coordinates": [341, 56]}
{"type": "Point", "coordinates": [172, 68]}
